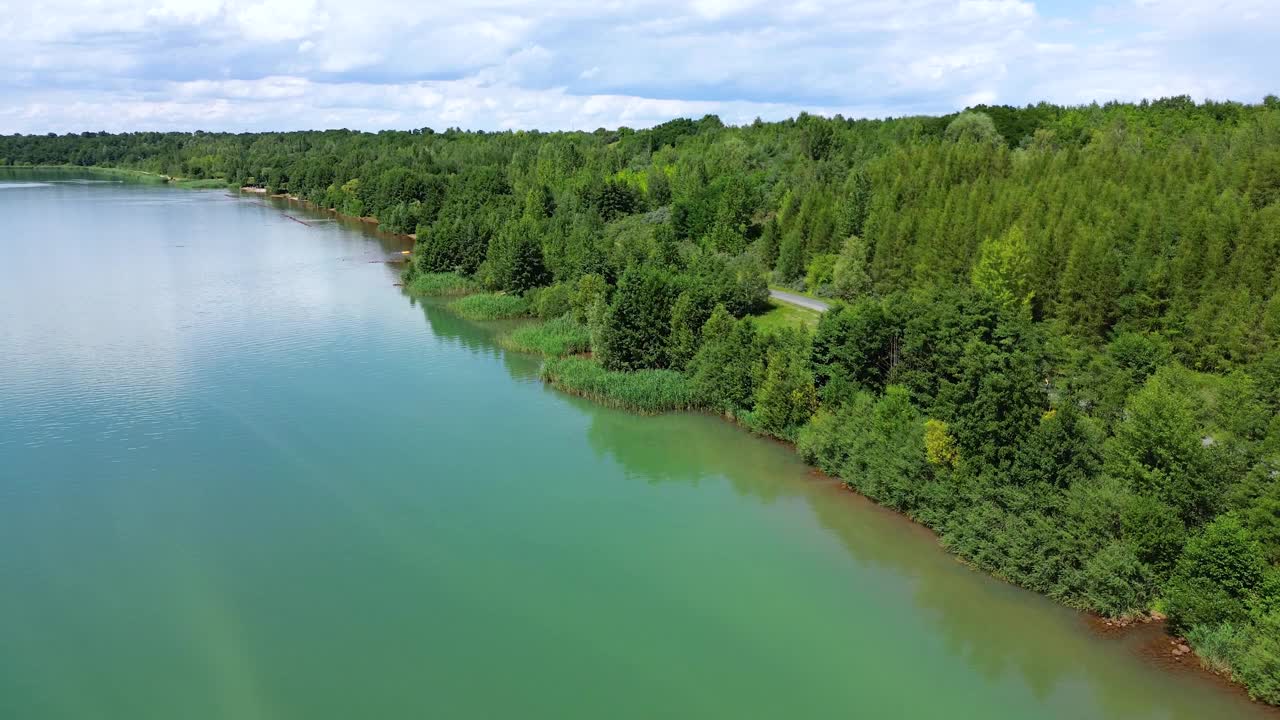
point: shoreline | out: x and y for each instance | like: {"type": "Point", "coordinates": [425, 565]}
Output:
{"type": "Point", "coordinates": [1097, 624]}
{"type": "Point", "coordinates": [366, 219]}
{"type": "Point", "coordinates": [1145, 637]}
{"type": "Point", "coordinates": [140, 175]}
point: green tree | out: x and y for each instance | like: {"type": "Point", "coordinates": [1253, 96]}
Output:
{"type": "Point", "coordinates": [787, 398]}
{"type": "Point", "coordinates": [1219, 569]}
{"type": "Point", "coordinates": [1003, 270]}
{"type": "Point", "coordinates": [849, 276]}
{"type": "Point", "coordinates": [973, 126]}
{"type": "Point", "coordinates": [722, 371]}
{"type": "Point", "coordinates": [1157, 448]}
{"type": "Point", "coordinates": [639, 319]}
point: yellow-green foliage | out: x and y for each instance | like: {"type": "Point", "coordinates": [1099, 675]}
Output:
{"type": "Point", "coordinates": [635, 179]}
{"type": "Point", "coordinates": [939, 445]}
{"type": "Point", "coordinates": [1003, 269]}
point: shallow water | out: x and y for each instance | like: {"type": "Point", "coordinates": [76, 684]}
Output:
{"type": "Point", "coordinates": [243, 476]}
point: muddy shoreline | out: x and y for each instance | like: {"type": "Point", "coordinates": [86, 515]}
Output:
{"type": "Point", "coordinates": [366, 219]}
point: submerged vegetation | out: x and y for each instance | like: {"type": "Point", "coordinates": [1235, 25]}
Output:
{"type": "Point", "coordinates": [1056, 330]}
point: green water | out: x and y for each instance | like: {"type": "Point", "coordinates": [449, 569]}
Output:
{"type": "Point", "coordinates": [243, 476]}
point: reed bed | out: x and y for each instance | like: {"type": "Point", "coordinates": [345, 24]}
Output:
{"type": "Point", "coordinates": [554, 338]}
{"type": "Point", "coordinates": [442, 284]}
{"type": "Point", "coordinates": [643, 391]}
{"type": "Point", "coordinates": [490, 306]}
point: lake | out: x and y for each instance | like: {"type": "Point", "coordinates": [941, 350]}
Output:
{"type": "Point", "coordinates": [243, 475]}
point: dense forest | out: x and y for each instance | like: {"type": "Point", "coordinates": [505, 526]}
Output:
{"type": "Point", "coordinates": [1055, 332]}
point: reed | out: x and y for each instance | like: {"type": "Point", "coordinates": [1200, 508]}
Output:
{"type": "Point", "coordinates": [554, 338]}
{"type": "Point", "coordinates": [442, 284]}
{"type": "Point", "coordinates": [490, 306]}
{"type": "Point", "coordinates": [643, 391]}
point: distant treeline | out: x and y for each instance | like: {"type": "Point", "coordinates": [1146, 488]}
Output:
{"type": "Point", "coordinates": [1055, 332]}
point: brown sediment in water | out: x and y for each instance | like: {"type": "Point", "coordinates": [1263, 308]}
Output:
{"type": "Point", "coordinates": [1144, 637]}
{"type": "Point", "coordinates": [366, 219]}
{"type": "Point", "coordinates": [1151, 642]}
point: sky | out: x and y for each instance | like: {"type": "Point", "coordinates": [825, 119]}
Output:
{"type": "Point", "coordinates": [236, 65]}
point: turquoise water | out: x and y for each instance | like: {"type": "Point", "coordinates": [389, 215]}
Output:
{"type": "Point", "coordinates": [244, 476]}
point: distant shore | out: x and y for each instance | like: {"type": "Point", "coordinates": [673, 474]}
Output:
{"type": "Point", "coordinates": [136, 175]}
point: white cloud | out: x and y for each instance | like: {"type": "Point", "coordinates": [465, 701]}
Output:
{"type": "Point", "coordinates": [241, 64]}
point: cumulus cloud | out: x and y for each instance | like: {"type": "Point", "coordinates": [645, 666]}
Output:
{"type": "Point", "coordinates": [75, 65]}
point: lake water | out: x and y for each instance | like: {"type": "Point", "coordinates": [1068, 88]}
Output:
{"type": "Point", "coordinates": [244, 476]}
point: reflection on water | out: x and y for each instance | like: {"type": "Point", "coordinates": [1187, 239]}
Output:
{"type": "Point", "coordinates": [242, 475]}
{"type": "Point", "coordinates": [992, 627]}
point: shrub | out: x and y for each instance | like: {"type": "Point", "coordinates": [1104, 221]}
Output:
{"type": "Point", "coordinates": [554, 338]}
{"type": "Point", "coordinates": [786, 399]}
{"type": "Point", "coordinates": [939, 445]}
{"type": "Point", "coordinates": [1116, 582]}
{"type": "Point", "coordinates": [821, 271]}
{"type": "Point", "coordinates": [590, 290]}
{"type": "Point", "coordinates": [490, 306]}
{"type": "Point", "coordinates": [551, 301]}
{"type": "Point", "coordinates": [1218, 573]}
{"type": "Point", "coordinates": [1217, 645]}
{"type": "Point", "coordinates": [643, 391]}
{"type": "Point", "coordinates": [1259, 665]}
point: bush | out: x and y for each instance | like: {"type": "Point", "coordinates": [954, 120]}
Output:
{"type": "Point", "coordinates": [821, 271]}
{"type": "Point", "coordinates": [824, 440]}
{"type": "Point", "coordinates": [1219, 646]}
{"type": "Point", "coordinates": [643, 391]}
{"type": "Point", "coordinates": [554, 338]}
{"type": "Point", "coordinates": [590, 290]}
{"type": "Point", "coordinates": [786, 399]}
{"type": "Point", "coordinates": [490, 306]}
{"type": "Point", "coordinates": [1259, 665]}
{"type": "Point", "coordinates": [441, 284]}
{"type": "Point", "coordinates": [1116, 582]}
{"type": "Point", "coordinates": [551, 301]}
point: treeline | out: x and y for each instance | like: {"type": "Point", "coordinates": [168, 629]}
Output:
{"type": "Point", "coordinates": [1055, 332]}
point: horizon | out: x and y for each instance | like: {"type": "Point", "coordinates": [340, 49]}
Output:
{"type": "Point", "coordinates": [491, 65]}
{"type": "Point", "coordinates": [548, 131]}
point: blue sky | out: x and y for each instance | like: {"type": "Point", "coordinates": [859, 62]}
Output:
{"type": "Point", "coordinates": [556, 64]}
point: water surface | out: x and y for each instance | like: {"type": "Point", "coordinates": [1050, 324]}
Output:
{"type": "Point", "coordinates": [243, 476]}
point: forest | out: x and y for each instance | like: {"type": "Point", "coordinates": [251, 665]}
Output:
{"type": "Point", "coordinates": [1054, 335]}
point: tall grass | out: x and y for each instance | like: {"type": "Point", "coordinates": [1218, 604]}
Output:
{"type": "Point", "coordinates": [642, 391]}
{"type": "Point", "coordinates": [490, 306]}
{"type": "Point", "coordinates": [553, 338]}
{"type": "Point", "coordinates": [442, 284]}
{"type": "Point", "coordinates": [1218, 646]}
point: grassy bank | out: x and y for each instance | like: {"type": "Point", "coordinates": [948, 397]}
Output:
{"type": "Point", "coordinates": [642, 391]}
{"type": "Point", "coordinates": [554, 338]}
{"type": "Point", "coordinates": [491, 306]}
